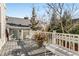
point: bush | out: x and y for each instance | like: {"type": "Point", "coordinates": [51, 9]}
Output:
{"type": "Point", "coordinates": [40, 38]}
{"type": "Point", "coordinates": [75, 30]}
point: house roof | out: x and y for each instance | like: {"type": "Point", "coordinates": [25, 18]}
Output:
{"type": "Point", "coordinates": [19, 23]}
{"type": "Point", "coordinates": [75, 20]}
{"type": "Point", "coordinates": [17, 27]}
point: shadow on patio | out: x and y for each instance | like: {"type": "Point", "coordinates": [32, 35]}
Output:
{"type": "Point", "coordinates": [23, 51]}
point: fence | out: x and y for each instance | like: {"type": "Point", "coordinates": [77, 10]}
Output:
{"type": "Point", "coordinates": [67, 41]}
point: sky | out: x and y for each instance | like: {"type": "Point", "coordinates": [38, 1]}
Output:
{"type": "Point", "coordinates": [24, 9]}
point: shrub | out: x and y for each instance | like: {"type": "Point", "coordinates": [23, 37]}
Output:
{"type": "Point", "coordinates": [40, 38]}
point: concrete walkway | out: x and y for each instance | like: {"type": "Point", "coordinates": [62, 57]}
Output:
{"type": "Point", "coordinates": [41, 52]}
{"type": "Point", "coordinates": [17, 48]}
{"type": "Point", "coordinates": [9, 46]}
{"type": "Point", "coordinates": [60, 51]}
{"type": "Point", "coordinates": [37, 51]}
{"type": "Point", "coordinates": [23, 48]}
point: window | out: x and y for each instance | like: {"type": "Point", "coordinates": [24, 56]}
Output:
{"type": "Point", "coordinates": [76, 46]}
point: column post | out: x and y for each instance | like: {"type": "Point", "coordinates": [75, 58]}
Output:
{"type": "Point", "coordinates": [8, 33]}
{"type": "Point", "coordinates": [22, 34]}
{"type": "Point", "coordinates": [18, 36]}
{"type": "Point", "coordinates": [54, 37]}
{"type": "Point", "coordinates": [78, 46]}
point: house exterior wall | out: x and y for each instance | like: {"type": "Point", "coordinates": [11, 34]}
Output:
{"type": "Point", "coordinates": [3, 24]}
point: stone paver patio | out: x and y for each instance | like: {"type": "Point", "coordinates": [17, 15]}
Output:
{"type": "Point", "coordinates": [17, 48]}
{"type": "Point", "coordinates": [21, 48]}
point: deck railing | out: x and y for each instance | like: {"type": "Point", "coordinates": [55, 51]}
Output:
{"type": "Point", "coordinates": [67, 41]}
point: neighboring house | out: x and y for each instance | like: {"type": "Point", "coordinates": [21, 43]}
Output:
{"type": "Point", "coordinates": [2, 24]}
{"type": "Point", "coordinates": [18, 28]}
{"type": "Point", "coordinates": [75, 20]}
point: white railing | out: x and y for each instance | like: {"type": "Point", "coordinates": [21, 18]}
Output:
{"type": "Point", "coordinates": [67, 41]}
{"type": "Point", "coordinates": [71, 41]}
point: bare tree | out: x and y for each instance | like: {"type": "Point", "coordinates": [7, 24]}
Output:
{"type": "Point", "coordinates": [74, 10]}
{"type": "Point", "coordinates": [60, 8]}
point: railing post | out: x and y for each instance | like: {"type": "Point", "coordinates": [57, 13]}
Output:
{"type": "Point", "coordinates": [22, 34]}
{"type": "Point", "coordinates": [8, 33]}
{"type": "Point", "coordinates": [18, 34]}
{"type": "Point", "coordinates": [54, 37]}
{"type": "Point", "coordinates": [78, 45]}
